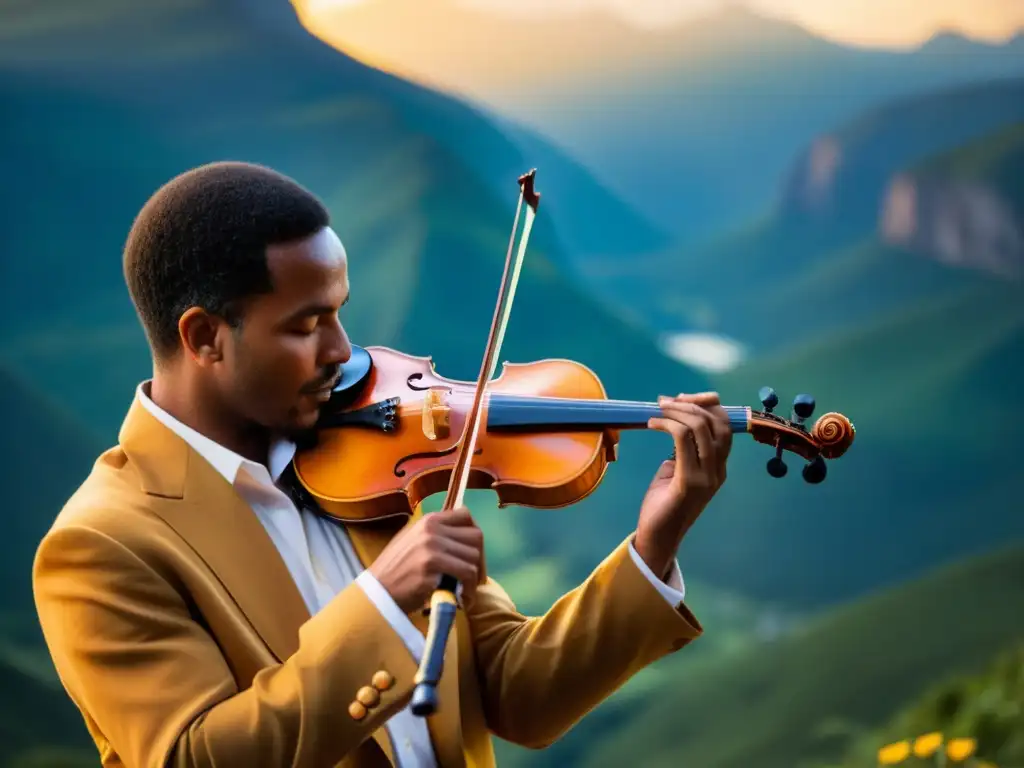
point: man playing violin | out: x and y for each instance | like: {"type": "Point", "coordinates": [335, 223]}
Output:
{"type": "Point", "coordinates": [198, 616]}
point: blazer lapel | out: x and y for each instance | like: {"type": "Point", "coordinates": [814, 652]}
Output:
{"type": "Point", "coordinates": [207, 512]}
{"type": "Point", "coordinates": [445, 727]}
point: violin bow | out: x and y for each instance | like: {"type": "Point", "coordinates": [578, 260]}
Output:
{"type": "Point", "coordinates": [443, 602]}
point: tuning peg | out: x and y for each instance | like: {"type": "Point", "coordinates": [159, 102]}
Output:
{"type": "Point", "coordinates": [776, 466]}
{"type": "Point", "coordinates": [768, 399]}
{"type": "Point", "coordinates": [814, 471]}
{"type": "Point", "coordinates": [803, 407]}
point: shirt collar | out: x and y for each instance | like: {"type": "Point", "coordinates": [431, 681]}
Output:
{"type": "Point", "coordinates": [224, 460]}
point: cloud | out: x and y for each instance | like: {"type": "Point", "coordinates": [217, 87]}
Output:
{"type": "Point", "coordinates": [898, 22]}
{"type": "Point", "coordinates": [641, 12]}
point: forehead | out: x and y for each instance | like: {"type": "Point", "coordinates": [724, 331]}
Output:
{"type": "Point", "coordinates": [314, 269]}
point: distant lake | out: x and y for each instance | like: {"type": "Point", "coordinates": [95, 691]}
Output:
{"type": "Point", "coordinates": [705, 351]}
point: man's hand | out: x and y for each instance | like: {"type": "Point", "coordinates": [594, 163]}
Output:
{"type": "Point", "coordinates": [436, 544]}
{"type": "Point", "coordinates": [683, 486]}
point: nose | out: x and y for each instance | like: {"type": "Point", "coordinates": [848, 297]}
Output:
{"type": "Point", "coordinates": [337, 349]}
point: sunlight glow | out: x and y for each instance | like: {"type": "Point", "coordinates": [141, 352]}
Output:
{"type": "Point", "coordinates": [860, 22]}
{"type": "Point", "coordinates": [501, 51]}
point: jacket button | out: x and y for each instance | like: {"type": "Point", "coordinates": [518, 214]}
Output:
{"type": "Point", "coordinates": [382, 680]}
{"type": "Point", "coordinates": [367, 696]}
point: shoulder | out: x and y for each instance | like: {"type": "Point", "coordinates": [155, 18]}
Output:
{"type": "Point", "coordinates": [108, 519]}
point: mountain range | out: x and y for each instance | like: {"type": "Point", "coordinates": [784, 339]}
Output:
{"type": "Point", "coordinates": [694, 124]}
{"type": "Point", "coordinates": [835, 195]}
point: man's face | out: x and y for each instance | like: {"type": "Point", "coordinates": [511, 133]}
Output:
{"type": "Point", "coordinates": [278, 369]}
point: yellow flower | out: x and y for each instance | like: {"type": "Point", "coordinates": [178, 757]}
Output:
{"type": "Point", "coordinates": [928, 744]}
{"type": "Point", "coordinates": [961, 749]}
{"type": "Point", "coordinates": [894, 753]}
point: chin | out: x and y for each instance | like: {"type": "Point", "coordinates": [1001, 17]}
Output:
{"type": "Point", "coordinates": [300, 428]}
{"type": "Point", "coordinates": [304, 417]}
{"type": "Point", "coordinates": [303, 421]}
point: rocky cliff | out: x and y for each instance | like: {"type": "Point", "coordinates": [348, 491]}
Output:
{"type": "Point", "coordinates": [960, 223]}
{"type": "Point", "coordinates": [843, 177]}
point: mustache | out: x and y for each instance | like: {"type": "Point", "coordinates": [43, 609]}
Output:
{"type": "Point", "coordinates": [329, 379]}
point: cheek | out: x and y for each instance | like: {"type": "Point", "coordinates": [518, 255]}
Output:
{"type": "Point", "coordinates": [270, 373]}
{"type": "Point", "coordinates": [289, 365]}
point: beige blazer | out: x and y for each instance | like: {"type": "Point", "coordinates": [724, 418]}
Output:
{"type": "Point", "coordinates": [178, 632]}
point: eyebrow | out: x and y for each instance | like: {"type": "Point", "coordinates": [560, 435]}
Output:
{"type": "Point", "coordinates": [313, 310]}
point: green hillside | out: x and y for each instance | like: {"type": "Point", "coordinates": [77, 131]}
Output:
{"type": "Point", "coordinates": [36, 716]}
{"type": "Point", "coordinates": [909, 349]}
{"type": "Point", "coordinates": [46, 453]}
{"type": "Point", "coordinates": [855, 666]}
{"type": "Point", "coordinates": [924, 482]}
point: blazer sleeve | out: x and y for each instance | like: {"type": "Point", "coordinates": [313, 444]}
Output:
{"type": "Point", "coordinates": [541, 675]}
{"type": "Point", "coordinates": [155, 684]}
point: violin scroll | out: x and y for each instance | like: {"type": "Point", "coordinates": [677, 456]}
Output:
{"type": "Point", "coordinates": [829, 438]}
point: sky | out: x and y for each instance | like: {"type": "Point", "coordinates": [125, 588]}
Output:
{"type": "Point", "coordinates": [863, 22]}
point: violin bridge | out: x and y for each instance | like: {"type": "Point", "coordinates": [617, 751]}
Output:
{"type": "Point", "coordinates": [436, 415]}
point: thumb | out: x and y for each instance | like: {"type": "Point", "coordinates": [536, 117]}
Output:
{"type": "Point", "coordinates": [666, 470]}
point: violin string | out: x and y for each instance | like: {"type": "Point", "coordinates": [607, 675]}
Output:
{"type": "Point", "coordinates": [556, 404]}
{"type": "Point", "coordinates": [512, 397]}
{"type": "Point", "coordinates": [540, 401]}
{"type": "Point", "coordinates": [563, 405]}
{"type": "Point", "coordinates": [531, 401]}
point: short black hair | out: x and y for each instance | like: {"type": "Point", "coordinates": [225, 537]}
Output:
{"type": "Point", "coordinates": [201, 240]}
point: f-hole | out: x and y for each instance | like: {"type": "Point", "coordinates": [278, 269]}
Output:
{"type": "Point", "coordinates": [421, 388]}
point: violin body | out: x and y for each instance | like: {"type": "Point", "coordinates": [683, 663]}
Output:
{"type": "Point", "coordinates": [389, 437]}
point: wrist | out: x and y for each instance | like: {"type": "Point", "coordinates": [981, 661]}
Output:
{"type": "Point", "coordinates": [386, 584]}
{"type": "Point", "coordinates": [656, 551]}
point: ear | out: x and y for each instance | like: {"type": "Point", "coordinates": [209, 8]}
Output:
{"type": "Point", "coordinates": [199, 332]}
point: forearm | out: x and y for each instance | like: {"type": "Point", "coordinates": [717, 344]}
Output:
{"type": "Point", "coordinates": [541, 675]}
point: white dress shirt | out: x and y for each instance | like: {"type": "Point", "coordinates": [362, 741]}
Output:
{"type": "Point", "coordinates": [322, 561]}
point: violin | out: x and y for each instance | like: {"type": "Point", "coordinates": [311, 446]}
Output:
{"type": "Point", "coordinates": [540, 434]}
{"type": "Point", "coordinates": [550, 432]}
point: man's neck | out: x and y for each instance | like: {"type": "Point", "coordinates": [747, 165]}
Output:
{"type": "Point", "coordinates": [185, 400]}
